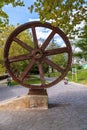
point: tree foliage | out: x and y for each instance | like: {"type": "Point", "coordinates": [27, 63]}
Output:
{"type": "Point", "coordinates": [82, 44]}
{"type": "Point", "coordinates": [65, 14]}
{"type": "Point", "coordinates": [15, 49]}
{"type": "Point", "coordinates": [4, 33]}
{"type": "Point", "coordinates": [4, 18]}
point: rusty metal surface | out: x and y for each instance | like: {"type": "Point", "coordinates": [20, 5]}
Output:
{"type": "Point", "coordinates": [37, 92]}
{"type": "Point", "coordinates": [37, 54]}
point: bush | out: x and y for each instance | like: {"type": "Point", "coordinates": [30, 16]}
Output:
{"type": "Point", "coordinates": [79, 67]}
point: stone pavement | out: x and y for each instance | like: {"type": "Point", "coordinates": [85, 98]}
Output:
{"type": "Point", "coordinates": [67, 111]}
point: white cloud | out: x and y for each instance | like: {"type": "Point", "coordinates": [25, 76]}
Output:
{"type": "Point", "coordinates": [30, 19]}
{"type": "Point", "coordinates": [43, 33]}
{"type": "Point", "coordinates": [81, 25]}
{"type": "Point", "coordinates": [78, 49]}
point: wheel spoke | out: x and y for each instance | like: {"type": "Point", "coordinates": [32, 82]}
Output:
{"type": "Point", "coordinates": [49, 62]}
{"type": "Point", "coordinates": [35, 37]}
{"type": "Point", "coordinates": [27, 69]}
{"type": "Point", "coordinates": [56, 51]}
{"type": "Point", "coordinates": [19, 58]}
{"type": "Point", "coordinates": [45, 44]}
{"type": "Point", "coordinates": [41, 73]}
{"type": "Point", "coordinates": [24, 45]}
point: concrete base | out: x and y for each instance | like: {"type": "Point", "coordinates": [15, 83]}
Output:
{"type": "Point", "coordinates": [26, 101]}
{"type": "Point", "coordinates": [38, 102]}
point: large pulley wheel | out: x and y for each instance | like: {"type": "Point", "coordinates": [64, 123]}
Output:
{"type": "Point", "coordinates": [38, 54]}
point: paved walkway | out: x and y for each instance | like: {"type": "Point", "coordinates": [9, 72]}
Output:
{"type": "Point", "coordinates": [67, 111]}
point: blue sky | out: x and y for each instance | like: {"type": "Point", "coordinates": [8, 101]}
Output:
{"type": "Point", "coordinates": [20, 14]}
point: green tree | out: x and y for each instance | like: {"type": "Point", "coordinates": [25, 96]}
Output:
{"type": "Point", "coordinates": [65, 14]}
{"type": "Point", "coordinates": [82, 44]}
{"type": "Point", "coordinates": [15, 49]}
{"type": "Point", "coordinates": [4, 33]}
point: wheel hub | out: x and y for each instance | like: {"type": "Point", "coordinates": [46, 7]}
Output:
{"type": "Point", "coordinates": [37, 54]}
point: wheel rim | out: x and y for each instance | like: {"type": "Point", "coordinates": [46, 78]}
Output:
{"type": "Point", "coordinates": [37, 54]}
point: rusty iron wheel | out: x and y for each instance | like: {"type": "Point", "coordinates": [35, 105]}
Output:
{"type": "Point", "coordinates": [38, 54]}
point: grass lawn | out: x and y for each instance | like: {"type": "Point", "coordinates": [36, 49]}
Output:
{"type": "Point", "coordinates": [14, 83]}
{"type": "Point", "coordinates": [33, 80]}
{"type": "Point", "coordinates": [81, 76]}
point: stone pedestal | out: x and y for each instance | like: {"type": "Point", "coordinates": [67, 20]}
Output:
{"type": "Point", "coordinates": [38, 98]}
{"type": "Point", "coordinates": [34, 100]}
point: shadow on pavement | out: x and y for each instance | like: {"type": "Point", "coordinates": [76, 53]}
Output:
{"type": "Point", "coordinates": [51, 105]}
